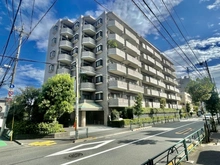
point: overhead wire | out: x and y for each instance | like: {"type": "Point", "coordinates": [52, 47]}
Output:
{"type": "Point", "coordinates": [172, 37]}
{"type": "Point", "coordinates": [32, 13]}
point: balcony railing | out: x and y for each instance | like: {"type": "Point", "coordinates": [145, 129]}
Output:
{"type": "Point", "coordinates": [118, 85]}
{"type": "Point", "coordinates": [89, 42]}
{"type": "Point", "coordinates": [88, 70]}
{"type": "Point", "coordinates": [65, 44]}
{"type": "Point", "coordinates": [116, 54]}
{"type": "Point", "coordinates": [115, 26]}
{"type": "Point", "coordinates": [134, 74]}
{"type": "Point", "coordinates": [118, 39]}
{"type": "Point", "coordinates": [135, 88]}
{"type": "Point", "coordinates": [129, 35]}
{"type": "Point", "coordinates": [65, 58]}
{"type": "Point", "coordinates": [88, 56]}
{"type": "Point", "coordinates": [87, 86]}
{"type": "Point", "coordinates": [118, 102]}
{"type": "Point", "coordinates": [89, 29]}
{"type": "Point", "coordinates": [131, 49]}
{"type": "Point", "coordinates": [117, 69]}
{"type": "Point", "coordinates": [67, 32]}
{"type": "Point", "coordinates": [63, 70]}
{"type": "Point", "coordinates": [132, 61]}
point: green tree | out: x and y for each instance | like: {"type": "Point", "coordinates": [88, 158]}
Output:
{"type": "Point", "coordinates": [25, 105]}
{"type": "Point", "coordinates": [163, 105]}
{"type": "Point", "coordinates": [138, 109]}
{"type": "Point", "coordinates": [200, 89]}
{"type": "Point", "coordinates": [213, 103]}
{"type": "Point", "coordinates": [57, 96]}
{"type": "Point", "coordinates": [188, 108]}
{"type": "Point", "coordinates": [112, 44]}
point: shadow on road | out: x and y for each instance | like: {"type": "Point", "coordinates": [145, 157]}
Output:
{"type": "Point", "coordinates": [142, 142]}
{"type": "Point", "coordinates": [208, 158]}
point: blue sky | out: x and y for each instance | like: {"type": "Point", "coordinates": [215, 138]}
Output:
{"type": "Point", "coordinates": [197, 20]}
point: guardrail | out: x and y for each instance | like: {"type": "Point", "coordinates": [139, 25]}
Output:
{"type": "Point", "coordinates": [178, 152]}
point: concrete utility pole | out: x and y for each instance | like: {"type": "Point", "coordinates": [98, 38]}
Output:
{"type": "Point", "coordinates": [21, 32]}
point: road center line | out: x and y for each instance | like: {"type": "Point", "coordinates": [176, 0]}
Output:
{"type": "Point", "coordinates": [102, 152]}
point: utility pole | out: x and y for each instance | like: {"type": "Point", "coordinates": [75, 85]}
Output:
{"type": "Point", "coordinates": [11, 87]}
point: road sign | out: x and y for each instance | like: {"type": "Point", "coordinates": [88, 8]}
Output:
{"type": "Point", "coordinates": [12, 86]}
{"type": "Point", "coordinates": [10, 93]}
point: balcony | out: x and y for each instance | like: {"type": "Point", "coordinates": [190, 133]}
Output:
{"type": "Point", "coordinates": [117, 69]}
{"type": "Point", "coordinates": [131, 61]}
{"type": "Point", "coordinates": [171, 97]}
{"type": "Point", "coordinates": [178, 98]}
{"type": "Point", "coordinates": [155, 105]}
{"type": "Point", "coordinates": [157, 56]}
{"type": "Point", "coordinates": [147, 59]}
{"type": "Point", "coordinates": [161, 84]}
{"type": "Point", "coordinates": [149, 70]}
{"type": "Point", "coordinates": [88, 42]}
{"type": "Point", "coordinates": [65, 58]}
{"type": "Point", "coordinates": [150, 80]}
{"type": "Point", "coordinates": [65, 44]}
{"type": "Point", "coordinates": [87, 86]}
{"type": "Point", "coordinates": [147, 91]}
{"type": "Point", "coordinates": [116, 54]}
{"type": "Point", "coordinates": [155, 93]}
{"type": "Point", "coordinates": [159, 74]}
{"type": "Point", "coordinates": [63, 70]}
{"type": "Point", "coordinates": [67, 32]}
{"type": "Point", "coordinates": [176, 90]}
{"type": "Point", "coordinates": [88, 56]}
{"type": "Point", "coordinates": [158, 65]}
{"type": "Point", "coordinates": [131, 103]}
{"type": "Point", "coordinates": [135, 88]}
{"type": "Point", "coordinates": [119, 40]}
{"type": "Point", "coordinates": [131, 49]}
{"type": "Point", "coordinates": [130, 36]}
{"type": "Point", "coordinates": [164, 95]}
{"type": "Point", "coordinates": [149, 49]}
{"type": "Point", "coordinates": [118, 85]}
{"type": "Point", "coordinates": [88, 70]}
{"type": "Point", "coordinates": [115, 26]}
{"type": "Point", "coordinates": [89, 29]}
{"type": "Point", "coordinates": [118, 102]}
{"type": "Point", "coordinates": [132, 74]}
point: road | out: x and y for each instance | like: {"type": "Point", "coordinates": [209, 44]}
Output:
{"type": "Point", "coordinates": [129, 148]}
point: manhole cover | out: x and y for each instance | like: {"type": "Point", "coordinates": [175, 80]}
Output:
{"type": "Point", "coordinates": [74, 155]}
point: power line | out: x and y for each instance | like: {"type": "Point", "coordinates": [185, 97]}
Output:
{"type": "Point", "coordinates": [101, 5]}
{"type": "Point", "coordinates": [171, 37]}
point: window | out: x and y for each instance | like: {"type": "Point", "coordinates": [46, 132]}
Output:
{"type": "Point", "coordinates": [54, 41]}
{"type": "Point", "coordinates": [99, 22]}
{"type": "Point", "coordinates": [99, 96]}
{"type": "Point", "coordinates": [98, 63]}
{"type": "Point", "coordinates": [55, 29]}
{"type": "Point", "coordinates": [76, 37]}
{"type": "Point", "coordinates": [76, 26]}
{"type": "Point", "coordinates": [51, 68]}
{"type": "Point", "coordinates": [52, 54]}
{"type": "Point", "coordinates": [99, 79]}
{"type": "Point", "coordinates": [98, 35]}
{"type": "Point", "coordinates": [99, 49]}
{"type": "Point", "coordinates": [75, 50]}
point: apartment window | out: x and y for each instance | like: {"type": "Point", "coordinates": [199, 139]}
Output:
{"type": "Point", "coordinates": [55, 29]}
{"type": "Point", "coordinates": [99, 22]}
{"type": "Point", "coordinates": [75, 50]}
{"type": "Point", "coordinates": [51, 68]}
{"type": "Point", "coordinates": [99, 49]}
{"type": "Point", "coordinates": [52, 54]}
{"type": "Point", "coordinates": [54, 41]}
{"type": "Point", "coordinates": [99, 79]}
{"type": "Point", "coordinates": [98, 35]}
{"type": "Point", "coordinates": [99, 96]}
{"type": "Point", "coordinates": [98, 63]}
{"type": "Point", "coordinates": [76, 26]}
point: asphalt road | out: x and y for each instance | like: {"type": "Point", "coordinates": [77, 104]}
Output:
{"type": "Point", "coordinates": [129, 148]}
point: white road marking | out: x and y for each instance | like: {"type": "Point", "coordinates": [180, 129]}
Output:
{"type": "Point", "coordinates": [102, 152]}
{"type": "Point", "coordinates": [71, 150]}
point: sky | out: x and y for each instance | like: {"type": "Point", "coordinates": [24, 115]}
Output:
{"type": "Point", "coordinates": [186, 32]}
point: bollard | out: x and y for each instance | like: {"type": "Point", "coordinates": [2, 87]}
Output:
{"type": "Point", "coordinates": [87, 132]}
{"type": "Point", "coordinates": [76, 135]}
{"type": "Point", "coordinates": [131, 126]}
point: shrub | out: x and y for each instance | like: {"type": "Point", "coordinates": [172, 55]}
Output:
{"type": "Point", "coordinates": [117, 123]}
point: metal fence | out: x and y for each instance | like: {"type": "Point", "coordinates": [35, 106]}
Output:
{"type": "Point", "coordinates": [178, 152]}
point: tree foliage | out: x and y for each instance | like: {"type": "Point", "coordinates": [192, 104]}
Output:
{"type": "Point", "coordinates": [112, 44]}
{"type": "Point", "coordinates": [200, 89]}
{"type": "Point", "coordinates": [188, 108]}
{"type": "Point", "coordinates": [57, 96]}
{"type": "Point", "coordinates": [163, 103]}
{"type": "Point", "coordinates": [213, 103]}
{"type": "Point", "coordinates": [25, 105]}
{"type": "Point", "coordinates": [138, 109]}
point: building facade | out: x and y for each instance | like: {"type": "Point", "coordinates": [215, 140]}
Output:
{"type": "Point", "coordinates": [2, 110]}
{"type": "Point", "coordinates": [115, 64]}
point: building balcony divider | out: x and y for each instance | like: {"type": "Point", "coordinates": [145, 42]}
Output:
{"type": "Point", "coordinates": [87, 86]}
{"type": "Point", "coordinates": [118, 102]}
{"type": "Point", "coordinates": [88, 56]}
{"type": "Point", "coordinates": [66, 58]}
{"type": "Point", "coordinates": [117, 68]}
{"type": "Point", "coordinates": [116, 54]}
{"type": "Point", "coordinates": [118, 85]}
{"type": "Point", "coordinates": [135, 88]}
{"type": "Point", "coordinates": [115, 26]}
{"type": "Point", "coordinates": [67, 32]}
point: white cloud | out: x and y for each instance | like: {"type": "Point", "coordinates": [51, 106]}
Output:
{"type": "Point", "coordinates": [210, 25]}
{"type": "Point", "coordinates": [215, 5]}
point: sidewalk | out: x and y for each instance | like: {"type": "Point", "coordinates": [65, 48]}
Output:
{"type": "Point", "coordinates": [206, 154]}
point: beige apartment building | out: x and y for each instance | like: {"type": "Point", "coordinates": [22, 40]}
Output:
{"type": "Point", "coordinates": [115, 64]}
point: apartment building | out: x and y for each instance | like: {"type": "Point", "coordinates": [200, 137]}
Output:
{"type": "Point", "coordinates": [115, 64]}
{"type": "Point", "coordinates": [2, 110]}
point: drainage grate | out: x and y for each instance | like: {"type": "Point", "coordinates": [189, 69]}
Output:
{"type": "Point", "coordinates": [75, 155]}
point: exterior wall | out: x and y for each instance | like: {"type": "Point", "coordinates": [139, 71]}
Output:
{"type": "Point", "coordinates": [2, 110]}
{"type": "Point", "coordinates": [135, 66]}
